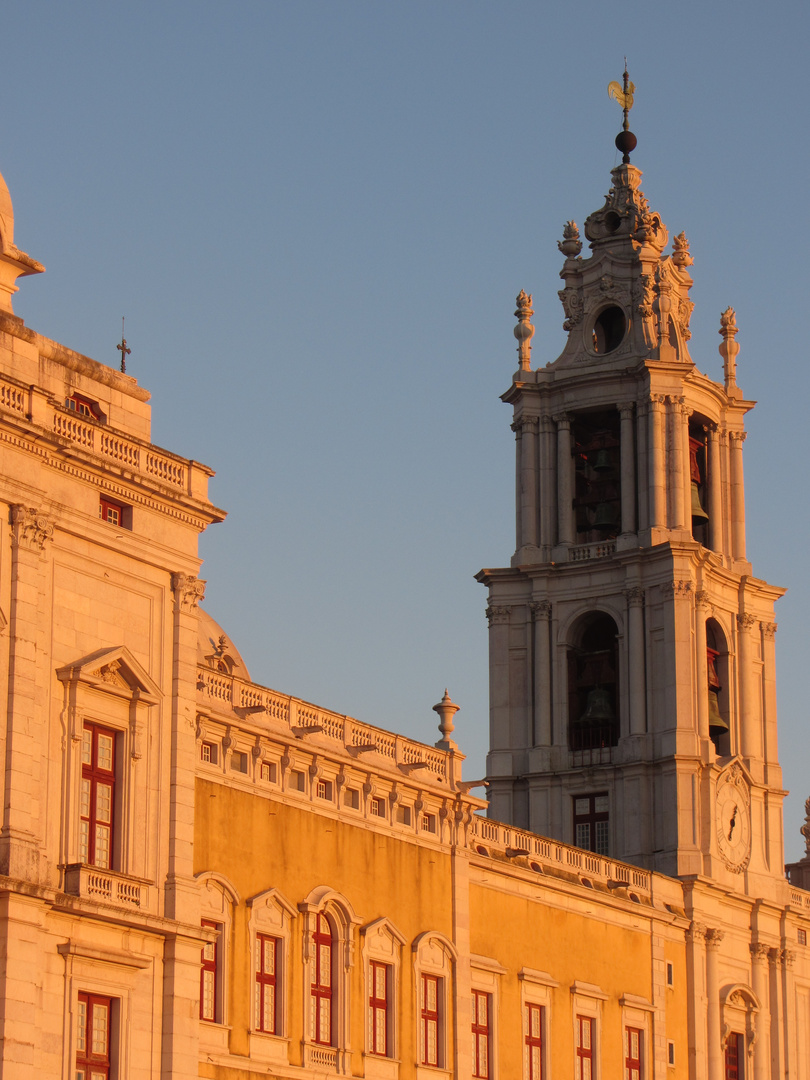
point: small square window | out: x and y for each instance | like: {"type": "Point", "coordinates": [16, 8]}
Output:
{"type": "Point", "coordinates": [802, 937]}
{"type": "Point", "coordinates": [377, 807]}
{"type": "Point", "coordinates": [115, 513]}
{"type": "Point", "coordinates": [268, 772]}
{"type": "Point", "coordinates": [239, 762]}
{"type": "Point", "coordinates": [298, 780]}
{"type": "Point", "coordinates": [208, 753]}
{"type": "Point", "coordinates": [404, 815]}
{"type": "Point", "coordinates": [670, 974]}
{"type": "Point", "coordinates": [351, 798]}
{"type": "Point", "coordinates": [324, 789]}
{"type": "Point", "coordinates": [429, 823]}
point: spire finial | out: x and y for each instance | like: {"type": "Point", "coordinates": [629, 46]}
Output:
{"type": "Point", "coordinates": [122, 348]}
{"type": "Point", "coordinates": [446, 709]}
{"type": "Point", "coordinates": [524, 331]}
{"type": "Point", "coordinates": [729, 349]}
{"type": "Point", "coordinates": [625, 140]}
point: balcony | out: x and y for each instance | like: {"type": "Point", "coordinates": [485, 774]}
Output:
{"type": "Point", "coordinates": [106, 886]}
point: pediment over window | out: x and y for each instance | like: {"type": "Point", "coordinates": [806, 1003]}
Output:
{"type": "Point", "coordinates": [114, 671]}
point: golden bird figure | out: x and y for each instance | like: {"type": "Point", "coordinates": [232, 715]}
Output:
{"type": "Point", "coordinates": [625, 99]}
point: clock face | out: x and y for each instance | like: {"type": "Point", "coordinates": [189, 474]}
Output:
{"type": "Point", "coordinates": [733, 826]}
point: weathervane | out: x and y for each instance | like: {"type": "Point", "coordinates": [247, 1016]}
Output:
{"type": "Point", "coordinates": [122, 348]}
{"type": "Point", "coordinates": [625, 140]}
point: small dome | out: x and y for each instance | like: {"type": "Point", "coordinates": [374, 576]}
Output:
{"type": "Point", "coordinates": [216, 650]}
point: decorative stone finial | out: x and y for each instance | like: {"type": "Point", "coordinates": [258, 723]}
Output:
{"type": "Point", "coordinates": [524, 331]}
{"type": "Point", "coordinates": [680, 251]}
{"type": "Point", "coordinates": [446, 709]}
{"type": "Point", "coordinates": [729, 348]}
{"type": "Point", "coordinates": [570, 245]}
{"type": "Point", "coordinates": [805, 830]}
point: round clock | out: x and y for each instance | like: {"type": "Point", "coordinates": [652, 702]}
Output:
{"type": "Point", "coordinates": [733, 826]}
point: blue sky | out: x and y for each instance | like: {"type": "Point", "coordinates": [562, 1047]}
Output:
{"type": "Point", "coordinates": [316, 217]}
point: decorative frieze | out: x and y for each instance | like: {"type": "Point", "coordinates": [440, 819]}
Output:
{"type": "Point", "coordinates": [678, 588]}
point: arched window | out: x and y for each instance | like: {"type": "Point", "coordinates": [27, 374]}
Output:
{"type": "Point", "coordinates": [717, 689]}
{"type": "Point", "coordinates": [322, 982]}
{"type": "Point", "coordinates": [593, 685]}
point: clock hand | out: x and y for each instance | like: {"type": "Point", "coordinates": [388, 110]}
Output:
{"type": "Point", "coordinates": [732, 823]}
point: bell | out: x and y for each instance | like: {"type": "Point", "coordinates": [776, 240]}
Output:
{"type": "Point", "coordinates": [605, 517]}
{"type": "Point", "coordinates": [699, 515]}
{"type": "Point", "coordinates": [598, 709]}
{"type": "Point", "coordinates": [602, 462]}
{"type": "Point", "coordinates": [716, 721]}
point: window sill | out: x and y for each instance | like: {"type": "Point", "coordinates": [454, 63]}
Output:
{"type": "Point", "coordinates": [377, 1067]}
{"type": "Point", "coordinates": [432, 1071]}
{"type": "Point", "coordinates": [269, 1048]}
{"type": "Point", "coordinates": [214, 1038]}
{"type": "Point", "coordinates": [106, 886]}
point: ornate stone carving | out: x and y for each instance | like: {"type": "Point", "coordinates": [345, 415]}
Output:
{"type": "Point", "coordinates": [788, 958]}
{"type": "Point", "coordinates": [570, 245]}
{"type": "Point", "coordinates": [679, 588]}
{"type": "Point", "coordinates": [703, 599]}
{"type": "Point", "coordinates": [680, 251]}
{"type": "Point", "coordinates": [526, 423]}
{"type": "Point", "coordinates": [571, 300]}
{"type": "Point", "coordinates": [541, 609]}
{"type": "Point", "coordinates": [738, 436]}
{"type": "Point", "coordinates": [697, 932]}
{"type": "Point", "coordinates": [625, 409]}
{"type": "Point", "coordinates": [768, 629]}
{"type": "Point", "coordinates": [524, 331]}
{"type": "Point", "coordinates": [805, 829]}
{"type": "Point", "coordinates": [729, 347]}
{"type": "Point", "coordinates": [188, 591]}
{"type": "Point", "coordinates": [643, 295]}
{"type": "Point", "coordinates": [561, 419]}
{"type": "Point", "coordinates": [759, 952]}
{"type": "Point", "coordinates": [635, 596]}
{"type": "Point", "coordinates": [745, 622]}
{"type": "Point", "coordinates": [30, 528]}
{"type": "Point", "coordinates": [685, 309]}
{"type": "Point", "coordinates": [498, 616]}
{"type": "Point", "coordinates": [714, 937]}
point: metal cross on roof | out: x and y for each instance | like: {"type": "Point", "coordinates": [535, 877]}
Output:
{"type": "Point", "coordinates": [122, 348]}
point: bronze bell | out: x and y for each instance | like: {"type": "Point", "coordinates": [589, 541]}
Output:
{"type": "Point", "coordinates": [598, 709]}
{"type": "Point", "coordinates": [602, 462]}
{"type": "Point", "coordinates": [699, 515]}
{"type": "Point", "coordinates": [716, 721]}
{"type": "Point", "coordinates": [605, 517]}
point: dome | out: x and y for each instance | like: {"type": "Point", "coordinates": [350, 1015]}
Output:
{"type": "Point", "coordinates": [216, 650]}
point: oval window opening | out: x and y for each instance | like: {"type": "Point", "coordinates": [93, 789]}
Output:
{"type": "Point", "coordinates": [609, 330]}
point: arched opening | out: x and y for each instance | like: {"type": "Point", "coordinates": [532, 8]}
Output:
{"type": "Point", "coordinates": [697, 476]}
{"type": "Point", "coordinates": [597, 470]}
{"type": "Point", "coordinates": [593, 685]}
{"type": "Point", "coordinates": [717, 688]}
{"type": "Point", "coordinates": [609, 330]}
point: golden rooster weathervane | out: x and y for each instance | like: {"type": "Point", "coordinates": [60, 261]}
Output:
{"type": "Point", "coordinates": [625, 140]}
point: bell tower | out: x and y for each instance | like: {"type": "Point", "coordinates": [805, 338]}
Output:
{"type": "Point", "coordinates": [632, 692]}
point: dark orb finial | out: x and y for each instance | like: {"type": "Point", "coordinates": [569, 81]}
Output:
{"type": "Point", "coordinates": [625, 141]}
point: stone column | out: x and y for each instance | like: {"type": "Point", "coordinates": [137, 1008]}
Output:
{"type": "Point", "coordinates": [498, 618]}
{"type": "Point", "coordinates": [714, 490]}
{"type": "Point", "coordinates": [628, 467]}
{"type": "Point", "coordinates": [541, 611]}
{"type": "Point", "coordinates": [675, 471]}
{"type": "Point", "coordinates": [565, 481]}
{"type": "Point", "coordinates": [636, 659]}
{"type": "Point", "coordinates": [777, 1003]}
{"type": "Point", "coordinates": [759, 984]}
{"type": "Point", "coordinates": [548, 485]}
{"type": "Point", "coordinates": [687, 468]}
{"type": "Point", "coordinates": [461, 986]}
{"type": "Point", "coordinates": [768, 631]}
{"type": "Point", "coordinates": [702, 610]}
{"type": "Point", "coordinates": [26, 716]}
{"type": "Point", "coordinates": [750, 737]}
{"type": "Point", "coordinates": [528, 480]}
{"type": "Point", "coordinates": [643, 471]}
{"type": "Point", "coordinates": [696, 999]}
{"type": "Point", "coordinates": [737, 438]}
{"type": "Point", "coordinates": [788, 958]}
{"type": "Point", "coordinates": [517, 427]}
{"type": "Point", "coordinates": [657, 478]}
{"type": "Point", "coordinates": [715, 1037]}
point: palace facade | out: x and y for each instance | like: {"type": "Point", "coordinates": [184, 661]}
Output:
{"type": "Point", "coordinates": [204, 877]}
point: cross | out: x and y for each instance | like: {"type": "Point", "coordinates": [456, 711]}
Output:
{"type": "Point", "coordinates": [122, 348]}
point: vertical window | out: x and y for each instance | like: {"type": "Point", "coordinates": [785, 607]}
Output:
{"type": "Point", "coordinates": [592, 822]}
{"type": "Point", "coordinates": [378, 993]}
{"type": "Point", "coordinates": [321, 997]}
{"type": "Point", "coordinates": [480, 1034]}
{"type": "Point", "coordinates": [268, 772]}
{"type": "Point", "coordinates": [632, 1053]}
{"type": "Point", "coordinates": [533, 1041]}
{"type": "Point", "coordinates": [209, 1005]}
{"type": "Point", "coordinates": [429, 1020]}
{"type": "Point", "coordinates": [735, 1056]}
{"type": "Point", "coordinates": [208, 753]}
{"type": "Point", "coordinates": [93, 1037]}
{"type": "Point", "coordinates": [584, 1063]}
{"type": "Point", "coordinates": [97, 797]}
{"type": "Point", "coordinates": [324, 789]}
{"type": "Point", "coordinates": [377, 807]}
{"type": "Point", "coordinates": [265, 989]}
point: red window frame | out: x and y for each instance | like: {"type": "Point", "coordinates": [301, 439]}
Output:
{"type": "Point", "coordinates": [321, 1000]}
{"type": "Point", "coordinates": [209, 975]}
{"type": "Point", "coordinates": [266, 995]}
{"type": "Point", "coordinates": [112, 512]}
{"type": "Point", "coordinates": [378, 994]}
{"type": "Point", "coordinates": [734, 1057]}
{"type": "Point", "coordinates": [82, 405]}
{"type": "Point", "coordinates": [93, 1037]}
{"type": "Point", "coordinates": [97, 802]}
{"type": "Point", "coordinates": [633, 1048]}
{"type": "Point", "coordinates": [481, 1012]}
{"type": "Point", "coordinates": [430, 1020]}
{"type": "Point", "coordinates": [533, 1019]}
{"type": "Point", "coordinates": [598, 839]}
{"type": "Point", "coordinates": [586, 1028]}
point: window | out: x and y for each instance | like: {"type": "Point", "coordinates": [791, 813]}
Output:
{"type": "Point", "coordinates": [430, 1036]}
{"type": "Point", "coordinates": [114, 513]}
{"type": "Point", "coordinates": [93, 1037]}
{"type": "Point", "coordinates": [268, 772]}
{"type": "Point", "coordinates": [584, 1061]}
{"type": "Point", "coordinates": [324, 789]}
{"type": "Point", "coordinates": [97, 796]}
{"type": "Point", "coordinates": [209, 972]}
{"type": "Point", "coordinates": [265, 989]}
{"type": "Point", "coordinates": [670, 974]}
{"type": "Point", "coordinates": [83, 406]}
{"type": "Point", "coordinates": [377, 807]}
{"type": "Point", "coordinates": [321, 994]}
{"type": "Point", "coordinates": [533, 1017]}
{"type": "Point", "coordinates": [239, 761]}
{"type": "Point", "coordinates": [591, 822]}
{"type": "Point", "coordinates": [351, 797]}
{"type": "Point", "coordinates": [670, 1052]}
{"type": "Point", "coordinates": [298, 780]}
{"type": "Point", "coordinates": [404, 815]}
{"type": "Point", "coordinates": [633, 1041]}
{"type": "Point", "coordinates": [593, 685]}
{"type": "Point", "coordinates": [378, 997]}
{"type": "Point", "coordinates": [208, 753]}
{"type": "Point", "coordinates": [429, 823]}
{"type": "Point", "coordinates": [735, 1057]}
{"type": "Point", "coordinates": [480, 1033]}
{"type": "Point", "coordinates": [802, 937]}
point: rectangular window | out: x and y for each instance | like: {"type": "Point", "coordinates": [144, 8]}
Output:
{"type": "Point", "coordinates": [430, 1020]}
{"type": "Point", "coordinates": [378, 995]}
{"type": "Point", "coordinates": [404, 815]}
{"type": "Point", "coordinates": [324, 789]}
{"type": "Point", "coordinates": [268, 772]}
{"type": "Point", "coordinates": [83, 406]}
{"type": "Point", "coordinates": [208, 753]}
{"type": "Point", "coordinates": [298, 780]}
{"type": "Point", "coordinates": [533, 1018]}
{"type": "Point", "coordinates": [429, 823]}
{"type": "Point", "coordinates": [115, 513]}
{"type": "Point", "coordinates": [377, 807]}
{"type": "Point", "coordinates": [480, 1034]}
{"type": "Point", "coordinates": [735, 1057]}
{"type": "Point", "coordinates": [584, 1063]}
{"type": "Point", "coordinates": [321, 993]}
{"type": "Point", "coordinates": [209, 988]}
{"type": "Point", "coordinates": [351, 797]}
{"type": "Point", "coordinates": [97, 797]}
{"type": "Point", "coordinates": [591, 822]}
{"type": "Point", "coordinates": [802, 937]}
{"type": "Point", "coordinates": [93, 1037]}
{"type": "Point", "coordinates": [670, 1053]}
{"type": "Point", "coordinates": [265, 999]}
{"type": "Point", "coordinates": [670, 974]}
{"type": "Point", "coordinates": [632, 1053]}
{"type": "Point", "coordinates": [239, 761]}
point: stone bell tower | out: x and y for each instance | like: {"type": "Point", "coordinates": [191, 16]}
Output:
{"type": "Point", "coordinates": [632, 694]}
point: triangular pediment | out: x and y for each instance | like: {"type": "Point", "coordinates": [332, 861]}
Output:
{"type": "Point", "coordinates": [114, 670]}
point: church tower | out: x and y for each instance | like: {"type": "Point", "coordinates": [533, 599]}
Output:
{"type": "Point", "coordinates": [632, 693]}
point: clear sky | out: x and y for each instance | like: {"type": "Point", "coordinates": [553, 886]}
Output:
{"type": "Point", "coordinates": [316, 217]}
